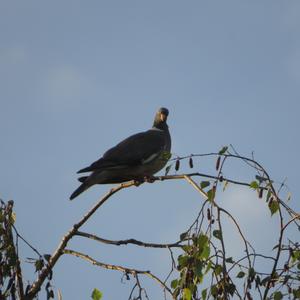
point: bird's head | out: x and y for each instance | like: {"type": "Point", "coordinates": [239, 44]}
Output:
{"type": "Point", "coordinates": [161, 118]}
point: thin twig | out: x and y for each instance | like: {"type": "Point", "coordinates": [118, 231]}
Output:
{"type": "Point", "coordinates": [241, 234]}
{"type": "Point", "coordinates": [195, 186]}
{"type": "Point", "coordinates": [128, 241]}
{"type": "Point", "coordinates": [118, 268]}
{"type": "Point", "coordinates": [35, 287]}
{"type": "Point", "coordinates": [224, 269]}
{"type": "Point", "coordinates": [27, 243]}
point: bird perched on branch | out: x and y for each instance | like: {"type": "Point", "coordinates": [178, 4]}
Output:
{"type": "Point", "coordinates": [138, 157]}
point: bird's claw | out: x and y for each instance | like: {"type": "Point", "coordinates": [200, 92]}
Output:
{"type": "Point", "coordinates": [149, 179]}
{"type": "Point", "coordinates": [137, 182]}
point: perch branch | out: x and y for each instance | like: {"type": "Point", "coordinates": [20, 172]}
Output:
{"type": "Point", "coordinates": [35, 287]}
{"type": "Point", "coordinates": [182, 176]}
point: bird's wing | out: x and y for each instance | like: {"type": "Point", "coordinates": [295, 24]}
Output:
{"type": "Point", "coordinates": [137, 149]}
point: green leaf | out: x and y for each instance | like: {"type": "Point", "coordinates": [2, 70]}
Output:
{"type": "Point", "coordinates": [251, 273]}
{"type": "Point", "coordinates": [208, 267]}
{"type": "Point", "coordinates": [273, 206]}
{"type": "Point", "coordinates": [187, 248]}
{"type": "Point", "coordinates": [229, 260]}
{"type": "Point", "coordinates": [223, 150]}
{"type": "Point", "coordinates": [202, 240]}
{"type": "Point", "coordinates": [295, 255]}
{"type": "Point", "coordinates": [278, 295]}
{"type": "Point", "coordinates": [182, 261]}
{"type": "Point", "coordinates": [211, 194]}
{"type": "Point", "coordinates": [254, 184]}
{"type": "Point", "coordinates": [182, 281]}
{"type": "Point", "coordinates": [269, 194]}
{"type": "Point", "coordinates": [199, 279]}
{"type": "Point", "coordinates": [204, 184]}
{"type": "Point", "coordinates": [205, 253]}
{"type": "Point", "coordinates": [296, 293]}
{"type": "Point", "coordinates": [198, 268]}
{"type": "Point", "coordinates": [240, 274]}
{"type": "Point", "coordinates": [231, 289]}
{"type": "Point", "coordinates": [1, 216]}
{"type": "Point", "coordinates": [38, 265]}
{"type": "Point", "coordinates": [96, 294]}
{"type": "Point", "coordinates": [187, 294]}
{"type": "Point", "coordinates": [184, 235]}
{"type": "Point", "coordinates": [218, 269]}
{"type": "Point", "coordinates": [214, 290]}
{"type": "Point", "coordinates": [204, 294]}
{"type": "Point", "coordinates": [203, 246]}
{"type": "Point", "coordinates": [217, 234]}
{"type": "Point", "coordinates": [167, 170]}
{"type": "Point", "coordinates": [174, 283]}
{"type": "Point", "coordinates": [12, 218]}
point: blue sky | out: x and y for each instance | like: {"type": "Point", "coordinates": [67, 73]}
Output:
{"type": "Point", "coordinates": [77, 77]}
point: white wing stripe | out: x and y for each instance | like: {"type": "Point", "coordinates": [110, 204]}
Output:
{"type": "Point", "coordinates": [150, 158]}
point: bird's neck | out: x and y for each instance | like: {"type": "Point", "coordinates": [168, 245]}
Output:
{"type": "Point", "coordinates": [160, 125]}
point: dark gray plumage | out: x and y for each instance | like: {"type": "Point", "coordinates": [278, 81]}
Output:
{"type": "Point", "coordinates": [140, 155]}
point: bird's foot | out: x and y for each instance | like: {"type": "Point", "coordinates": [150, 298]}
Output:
{"type": "Point", "coordinates": [149, 179]}
{"type": "Point", "coordinates": [137, 182]}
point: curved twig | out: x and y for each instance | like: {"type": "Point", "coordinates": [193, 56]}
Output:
{"type": "Point", "coordinates": [35, 287]}
{"type": "Point", "coordinates": [118, 268]}
{"type": "Point", "coordinates": [128, 241]}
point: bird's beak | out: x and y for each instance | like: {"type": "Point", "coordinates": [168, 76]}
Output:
{"type": "Point", "coordinates": [163, 117]}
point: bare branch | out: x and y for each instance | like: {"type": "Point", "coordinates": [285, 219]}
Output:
{"type": "Point", "coordinates": [195, 186]}
{"type": "Point", "coordinates": [182, 176]}
{"type": "Point", "coordinates": [134, 272]}
{"type": "Point", "coordinates": [59, 251]}
{"type": "Point", "coordinates": [128, 241]}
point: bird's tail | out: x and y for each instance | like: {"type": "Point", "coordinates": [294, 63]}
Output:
{"type": "Point", "coordinates": [82, 179]}
{"type": "Point", "coordinates": [84, 186]}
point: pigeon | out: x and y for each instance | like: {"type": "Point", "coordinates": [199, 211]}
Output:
{"type": "Point", "coordinates": [137, 158]}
